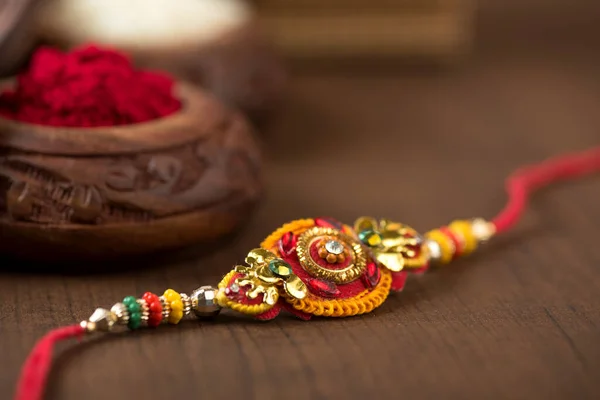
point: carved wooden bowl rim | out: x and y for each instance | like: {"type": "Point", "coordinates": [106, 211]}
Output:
{"type": "Point", "coordinates": [200, 111]}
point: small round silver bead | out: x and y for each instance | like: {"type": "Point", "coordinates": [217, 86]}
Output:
{"type": "Point", "coordinates": [433, 249]}
{"type": "Point", "coordinates": [204, 302]}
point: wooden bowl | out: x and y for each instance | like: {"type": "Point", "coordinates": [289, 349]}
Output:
{"type": "Point", "coordinates": [93, 193]}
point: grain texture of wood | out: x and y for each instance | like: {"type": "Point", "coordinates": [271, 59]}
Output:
{"type": "Point", "coordinates": [518, 320]}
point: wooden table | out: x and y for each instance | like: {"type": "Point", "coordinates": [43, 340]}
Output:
{"type": "Point", "coordinates": [519, 320]}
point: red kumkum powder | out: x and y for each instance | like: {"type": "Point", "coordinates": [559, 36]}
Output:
{"type": "Point", "coordinates": [87, 87]}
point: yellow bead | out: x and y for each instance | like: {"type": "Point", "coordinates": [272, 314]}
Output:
{"type": "Point", "coordinates": [171, 295]}
{"type": "Point", "coordinates": [175, 317]}
{"type": "Point", "coordinates": [465, 231]}
{"type": "Point", "coordinates": [176, 305]}
{"type": "Point", "coordinates": [446, 245]}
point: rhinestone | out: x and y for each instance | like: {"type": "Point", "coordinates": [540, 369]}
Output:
{"type": "Point", "coordinates": [287, 244]}
{"type": "Point", "coordinates": [370, 238]}
{"type": "Point", "coordinates": [234, 288]}
{"type": "Point", "coordinates": [334, 247]}
{"type": "Point", "coordinates": [323, 288]}
{"type": "Point", "coordinates": [434, 249]}
{"type": "Point", "coordinates": [372, 275]}
{"type": "Point", "coordinates": [280, 268]}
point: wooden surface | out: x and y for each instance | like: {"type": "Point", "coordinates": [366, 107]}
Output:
{"type": "Point", "coordinates": [519, 320]}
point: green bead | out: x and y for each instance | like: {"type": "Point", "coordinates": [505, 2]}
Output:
{"type": "Point", "coordinates": [135, 320]}
{"type": "Point", "coordinates": [129, 300]}
{"type": "Point", "coordinates": [135, 312]}
{"type": "Point", "coordinates": [131, 304]}
{"type": "Point", "coordinates": [280, 268]}
{"type": "Point", "coordinates": [134, 307]}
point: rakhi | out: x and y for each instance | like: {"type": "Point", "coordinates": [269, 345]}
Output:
{"type": "Point", "coordinates": [316, 267]}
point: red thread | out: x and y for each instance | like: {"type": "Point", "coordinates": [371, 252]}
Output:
{"type": "Point", "coordinates": [523, 182]}
{"type": "Point", "coordinates": [87, 87]}
{"type": "Point", "coordinates": [37, 366]}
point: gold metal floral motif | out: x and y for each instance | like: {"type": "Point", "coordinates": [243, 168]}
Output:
{"type": "Point", "coordinates": [391, 242]}
{"type": "Point", "coordinates": [266, 274]}
{"type": "Point", "coordinates": [348, 274]}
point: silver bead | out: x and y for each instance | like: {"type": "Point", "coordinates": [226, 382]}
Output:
{"type": "Point", "coordinates": [204, 302]}
{"type": "Point", "coordinates": [433, 249]}
{"type": "Point", "coordinates": [482, 229]}
{"type": "Point", "coordinates": [120, 310]}
{"type": "Point", "coordinates": [103, 319]}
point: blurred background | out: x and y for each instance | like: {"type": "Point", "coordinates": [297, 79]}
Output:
{"type": "Point", "coordinates": [442, 32]}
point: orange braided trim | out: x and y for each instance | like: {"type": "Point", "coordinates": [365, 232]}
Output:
{"type": "Point", "coordinates": [296, 227]}
{"type": "Point", "coordinates": [225, 302]}
{"type": "Point", "coordinates": [360, 304]}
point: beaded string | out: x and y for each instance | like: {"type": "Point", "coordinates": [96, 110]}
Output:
{"type": "Point", "coordinates": [442, 245]}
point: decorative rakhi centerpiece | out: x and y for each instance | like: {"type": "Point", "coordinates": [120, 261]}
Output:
{"type": "Point", "coordinates": [323, 267]}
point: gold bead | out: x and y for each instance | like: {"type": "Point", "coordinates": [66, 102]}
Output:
{"type": "Point", "coordinates": [323, 252]}
{"type": "Point", "coordinates": [88, 326]}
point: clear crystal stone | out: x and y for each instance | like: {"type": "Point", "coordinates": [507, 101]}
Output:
{"type": "Point", "coordinates": [334, 247]}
